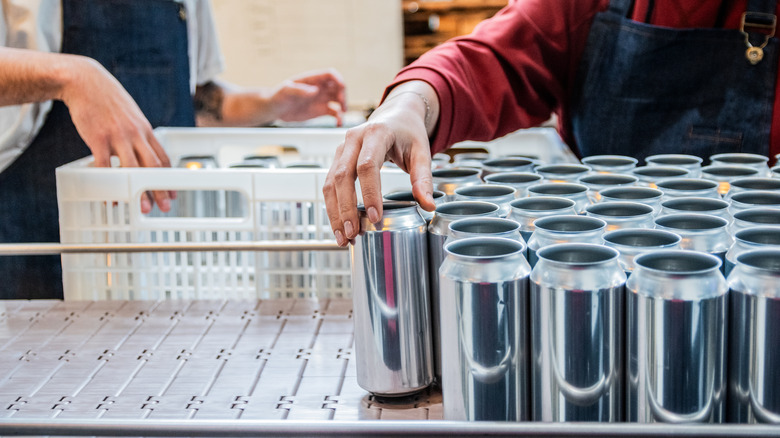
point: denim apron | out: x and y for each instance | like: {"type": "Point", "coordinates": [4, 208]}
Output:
{"type": "Point", "coordinates": [645, 90]}
{"type": "Point", "coordinates": [143, 43]}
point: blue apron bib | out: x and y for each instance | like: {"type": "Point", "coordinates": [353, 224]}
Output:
{"type": "Point", "coordinates": [645, 90]}
{"type": "Point", "coordinates": [144, 45]}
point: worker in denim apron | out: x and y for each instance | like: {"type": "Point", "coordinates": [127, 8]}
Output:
{"type": "Point", "coordinates": [637, 89]}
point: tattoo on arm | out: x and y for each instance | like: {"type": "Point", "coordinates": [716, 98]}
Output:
{"type": "Point", "coordinates": [208, 100]}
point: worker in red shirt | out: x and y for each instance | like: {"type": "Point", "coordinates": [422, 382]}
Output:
{"type": "Point", "coordinates": [624, 77]}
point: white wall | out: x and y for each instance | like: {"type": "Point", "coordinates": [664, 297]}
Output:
{"type": "Point", "coordinates": [266, 41]}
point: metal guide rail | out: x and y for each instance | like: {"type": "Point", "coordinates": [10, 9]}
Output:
{"type": "Point", "coordinates": [221, 368]}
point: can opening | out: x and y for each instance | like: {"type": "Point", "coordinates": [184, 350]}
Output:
{"type": "Point", "coordinates": [688, 184]}
{"type": "Point", "coordinates": [570, 223]}
{"type": "Point", "coordinates": [390, 206]}
{"type": "Point", "coordinates": [759, 216]}
{"type": "Point", "coordinates": [485, 190]}
{"type": "Point", "coordinates": [484, 225]}
{"type": "Point", "coordinates": [631, 193]}
{"type": "Point", "coordinates": [454, 173]}
{"type": "Point", "coordinates": [562, 169]}
{"type": "Point", "coordinates": [609, 161]}
{"type": "Point", "coordinates": [577, 253]}
{"type": "Point", "coordinates": [507, 162]}
{"type": "Point", "coordinates": [729, 171]}
{"type": "Point", "coordinates": [660, 171]}
{"type": "Point", "coordinates": [757, 184]}
{"type": "Point", "coordinates": [757, 198]}
{"type": "Point", "coordinates": [484, 247]}
{"type": "Point", "coordinates": [674, 159]}
{"type": "Point", "coordinates": [513, 178]}
{"type": "Point", "coordinates": [408, 196]}
{"type": "Point", "coordinates": [461, 208]}
{"type": "Point", "coordinates": [678, 261]}
{"type": "Point", "coordinates": [642, 238]}
{"type": "Point", "coordinates": [608, 179]}
{"type": "Point", "coordinates": [740, 158]}
{"type": "Point", "coordinates": [542, 204]}
{"type": "Point", "coordinates": [765, 259]}
{"type": "Point", "coordinates": [619, 209]}
{"type": "Point", "coordinates": [558, 189]}
{"type": "Point", "coordinates": [691, 222]}
{"type": "Point", "coordinates": [696, 204]}
{"type": "Point", "coordinates": [759, 235]}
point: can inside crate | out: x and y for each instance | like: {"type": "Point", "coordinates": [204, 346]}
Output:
{"type": "Point", "coordinates": [103, 206]}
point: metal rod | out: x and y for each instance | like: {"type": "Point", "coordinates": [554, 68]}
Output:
{"type": "Point", "coordinates": [85, 248]}
{"type": "Point", "coordinates": [292, 428]}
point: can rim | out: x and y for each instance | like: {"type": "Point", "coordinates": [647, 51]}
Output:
{"type": "Point", "coordinates": [613, 237]}
{"type": "Point", "coordinates": [573, 254]}
{"type": "Point", "coordinates": [765, 260]}
{"type": "Point", "coordinates": [512, 248]}
{"type": "Point", "coordinates": [706, 262]}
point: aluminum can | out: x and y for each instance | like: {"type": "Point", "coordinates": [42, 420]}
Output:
{"type": "Point", "coordinates": [710, 206]}
{"type": "Point", "coordinates": [408, 196]}
{"type": "Point", "coordinates": [440, 161]}
{"type": "Point", "coordinates": [269, 161]}
{"type": "Point", "coordinates": [449, 179]}
{"type": "Point", "coordinates": [649, 176]}
{"type": "Point", "coordinates": [691, 163]}
{"type": "Point", "coordinates": [577, 293]}
{"type": "Point", "coordinates": [643, 195]}
{"type": "Point", "coordinates": [198, 203]}
{"type": "Point", "coordinates": [485, 227]}
{"type": "Point", "coordinates": [753, 217]}
{"type": "Point", "coordinates": [754, 341]}
{"type": "Point", "coordinates": [484, 316]}
{"type": "Point", "coordinates": [758, 162]}
{"type": "Point", "coordinates": [527, 210]}
{"type": "Point", "coordinates": [724, 175]}
{"type": "Point", "coordinates": [774, 172]}
{"type": "Point", "coordinates": [600, 181]}
{"type": "Point", "coordinates": [689, 187]}
{"type": "Point", "coordinates": [699, 232]}
{"type": "Point", "coordinates": [564, 229]}
{"type": "Point", "coordinates": [630, 242]}
{"type": "Point", "coordinates": [620, 215]}
{"type": "Point", "coordinates": [438, 232]}
{"type": "Point", "coordinates": [676, 328]}
{"type": "Point", "coordinates": [576, 192]}
{"type": "Point", "coordinates": [394, 355]}
{"type": "Point", "coordinates": [610, 163]}
{"type": "Point", "coordinates": [753, 199]}
{"type": "Point", "coordinates": [470, 159]}
{"type": "Point", "coordinates": [520, 181]}
{"type": "Point", "coordinates": [753, 183]}
{"type": "Point", "coordinates": [494, 193]}
{"type": "Point", "coordinates": [562, 173]}
{"type": "Point", "coordinates": [749, 239]}
{"type": "Point", "coordinates": [303, 165]}
{"type": "Point", "coordinates": [506, 164]}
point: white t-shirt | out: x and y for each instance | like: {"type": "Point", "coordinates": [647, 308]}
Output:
{"type": "Point", "coordinates": [37, 25]}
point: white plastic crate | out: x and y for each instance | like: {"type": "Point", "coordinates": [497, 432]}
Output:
{"type": "Point", "coordinates": [103, 206]}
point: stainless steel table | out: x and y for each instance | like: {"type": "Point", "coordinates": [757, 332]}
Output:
{"type": "Point", "coordinates": [220, 368]}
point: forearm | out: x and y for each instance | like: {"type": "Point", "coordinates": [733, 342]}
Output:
{"type": "Point", "coordinates": [219, 104]}
{"type": "Point", "coordinates": [418, 96]}
{"type": "Point", "coordinates": [31, 76]}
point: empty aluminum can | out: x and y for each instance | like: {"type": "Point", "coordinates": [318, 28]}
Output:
{"type": "Point", "coordinates": [750, 239]}
{"type": "Point", "coordinates": [775, 172]}
{"type": "Point", "coordinates": [676, 338]}
{"type": "Point", "coordinates": [754, 198]}
{"type": "Point", "coordinates": [390, 302]}
{"type": "Point", "coordinates": [750, 183]}
{"type": "Point", "coordinates": [699, 232]}
{"type": "Point", "coordinates": [758, 162]}
{"type": "Point", "coordinates": [550, 230]}
{"type": "Point", "coordinates": [484, 317]}
{"type": "Point", "coordinates": [685, 204]}
{"type": "Point", "coordinates": [600, 181]}
{"type": "Point", "coordinates": [577, 350]}
{"type": "Point", "coordinates": [643, 195]}
{"type": "Point", "coordinates": [520, 181]}
{"type": "Point", "coordinates": [649, 176]}
{"type": "Point", "coordinates": [198, 203]}
{"type": "Point", "coordinates": [497, 194]}
{"type": "Point", "coordinates": [622, 214]}
{"type": "Point", "coordinates": [724, 175]}
{"type": "Point", "coordinates": [438, 232]}
{"type": "Point", "coordinates": [449, 179]}
{"type": "Point", "coordinates": [527, 210]}
{"type": "Point", "coordinates": [630, 242]}
{"type": "Point", "coordinates": [689, 187]}
{"type": "Point", "coordinates": [691, 163]}
{"type": "Point", "coordinates": [408, 196]}
{"type": "Point", "coordinates": [610, 163]}
{"type": "Point", "coordinates": [576, 192]}
{"type": "Point", "coordinates": [754, 342]}
{"type": "Point", "coordinates": [485, 227]}
{"type": "Point", "coordinates": [753, 217]}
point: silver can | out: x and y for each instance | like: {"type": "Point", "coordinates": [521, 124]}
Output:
{"type": "Point", "coordinates": [630, 242]}
{"type": "Point", "coordinates": [610, 163]}
{"type": "Point", "coordinates": [748, 184]}
{"type": "Point", "coordinates": [408, 196]}
{"type": "Point", "coordinates": [562, 173]}
{"type": "Point", "coordinates": [724, 175]}
{"type": "Point", "coordinates": [691, 163]}
{"type": "Point", "coordinates": [494, 193]}
{"type": "Point", "coordinates": [752, 199]}
{"type": "Point", "coordinates": [600, 181]}
{"type": "Point", "coordinates": [699, 232]}
{"type": "Point", "coordinates": [390, 302]}
{"type": "Point", "coordinates": [269, 161]}
{"type": "Point", "coordinates": [753, 217]}
{"type": "Point", "coordinates": [774, 171]}
{"type": "Point", "coordinates": [506, 164]}
{"type": "Point", "coordinates": [754, 342]}
{"type": "Point", "coordinates": [643, 195]}
{"type": "Point", "coordinates": [449, 179]}
{"type": "Point", "coordinates": [758, 162]}
{"type": "Point", "coordinates": [576, 192]}
{"type": "Point", "coordinates": [577, 334]}
{"type": "Point", "coordinates": [198, 203]}
{"type": "Point", "coordinates": [484, 317]}
{"type": "Point", "coordinates": [676, 338]}
{"type": "Point", "coordinates": [520, 181]}
{"type": "Point", "coordinates": [438, 232]}
{"type": "Point", "coordinates": [485, 227]}
{"type": "Point", "coordinates": [689, 187]}
{"type": "Point", "coordinates": [527, 210]}
{"type": "Point", "coordinates": [564, 229]}
{"type": "Point", "coordinates": [649, 176]}
{"type": "Point", "coordinates": [710, 206]}
{"type": "Point", "coordinates": [749, 239]}
{"type": "Point", "coordinates": [624, 214]}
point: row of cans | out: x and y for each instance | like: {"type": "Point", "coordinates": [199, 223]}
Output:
{"type": "Point", "coordinates": [565, 337]}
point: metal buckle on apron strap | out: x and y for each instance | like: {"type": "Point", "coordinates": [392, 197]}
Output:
{"type": "Point", "coordinates": [761, 23]}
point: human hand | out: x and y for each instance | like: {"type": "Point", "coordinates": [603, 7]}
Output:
{"type": "Point", "coordinates": [111, 123]}
{"type": "Point", "coordinates": [310, 95]}
{"type": "Point", "coordinates": [396, 131]}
